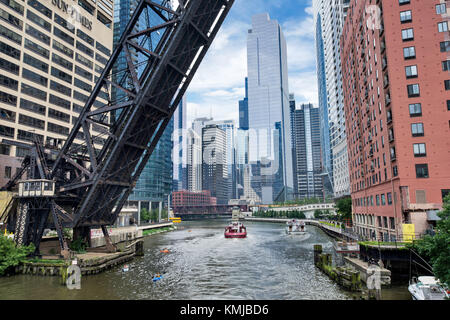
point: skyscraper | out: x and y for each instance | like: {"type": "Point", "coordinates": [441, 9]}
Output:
{"type": "Point", "coordinates": [230, 130]}
{"type": "Point", "coordinates": [50, 61]}
{"type": "Point", "coordinates": [194, 160]}
{"type": "Point", "coordinates": [179, 156]}
{"type": "Point", "coordinates": [243, 109]}
{"type": "Point", "coordinates": [306, 140]}
{"type": "Point", "coordinates": [155, 182]}
{"type": "Point", "coordinates": [268, 110]}
{"type": "Point", "coordinates": [329, 16]}
{"type": "Point", "coordinates": [398, 117]}
{"type": "Point", "coordinates": [214, 165]}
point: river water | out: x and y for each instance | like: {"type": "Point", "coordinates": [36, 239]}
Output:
{"type": "Point", "coordinates": [202, 264]}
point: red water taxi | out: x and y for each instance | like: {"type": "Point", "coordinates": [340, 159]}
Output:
{"type": "Point", "coordinates": [235, 230]}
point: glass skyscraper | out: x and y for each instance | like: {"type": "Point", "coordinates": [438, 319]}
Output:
{"type": "Point", "coordinates": [268, 111]}
{"type": "Point", "coordinates": [243, 109]}
{"type": "Point", "coordinates": [155, 182]}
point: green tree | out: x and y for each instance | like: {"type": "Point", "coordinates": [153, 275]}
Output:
{"type": "Point", "coordinates": [436, 247]}
{"type": "Point", "coordinates": [318, 213]}
{"type": "Point", "coordinates": [10, 255]}
{"type": "Point", "coordinates": [154, 215]}
{"type": "Point", "coordinates": [344, 208]}
{"type": "Point", "coordinates": [145, 215]}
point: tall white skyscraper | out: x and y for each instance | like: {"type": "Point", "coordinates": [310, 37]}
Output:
{"type": "Point", "coordinates": [329, 16]}
{"type": "Point", "coordinates": [194, 160]}
{"type": "Point", "coordinates": [268, 110]}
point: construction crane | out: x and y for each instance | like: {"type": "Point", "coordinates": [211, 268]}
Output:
{"type": "Point", "coordinates": [84, 185]}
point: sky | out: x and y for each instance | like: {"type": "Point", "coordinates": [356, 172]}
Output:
{"type": "Point", "coordinates": [218, 84]}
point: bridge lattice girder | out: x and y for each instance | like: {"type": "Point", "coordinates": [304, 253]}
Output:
{"type": "Point", "coordinates": [162, 56]}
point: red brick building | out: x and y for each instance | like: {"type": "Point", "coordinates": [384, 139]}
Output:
{"type": "Point", "coordinates": [395, 57]}
{"type": "Point", "coordinates": [188, 198]}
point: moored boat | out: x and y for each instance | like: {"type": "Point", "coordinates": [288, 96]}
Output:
{"type": "Point", "coordinates": [295, 227]}
{"type": "Point", "coordinates": [427, 288]}
{"type": "Point", "coordinates": [235, 230]}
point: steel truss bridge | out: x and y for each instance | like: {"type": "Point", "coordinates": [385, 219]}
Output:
{"type": "Point", "coordinates": [163, 48]}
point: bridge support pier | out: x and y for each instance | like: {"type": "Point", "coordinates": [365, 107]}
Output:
{"type": "Point", "coordinates": [110, 247]}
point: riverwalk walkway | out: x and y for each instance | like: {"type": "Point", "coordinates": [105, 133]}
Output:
{"type": "Point", "coordinates": [328, 226]}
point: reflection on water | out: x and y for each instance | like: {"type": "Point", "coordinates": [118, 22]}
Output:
{"type": "Point", "coordinates": [202, 264]}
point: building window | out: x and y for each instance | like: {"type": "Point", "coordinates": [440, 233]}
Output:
{"type": "Point", "coordinates": [413, 90]}
{"type": "Point", "coordinates": [394, 171]}
{"type": "Point", "coordinates": [377, 199]}
{"type": "Point", "coordinates": [393, 156]}
{"type": "Point", "coordinates": [34, 92]}
{"type": "Point", "coordinates": [39, 21]}
{"type": "Point", "coordinates": [37, 34]}
{"type": "Point", "coordinates": [61, 75]}
{"type": "Point", "coordinates": [405, 16]}
{"type": "Point", "coordinates": [8, 82]}
{"type": "Point", "coordinates": [411, 72]}
{"type": "Point", "coordinates": [419, 150]}
{"type": "Point", "coordinates": [36, 63]}
{"type": "Point", "coordinates": [409, 52]}
{"type": "Point", "coordinates": [32, 106]}
{"type": "Point", "coordinates": [64, 36]}
{"type": "Point", "coordinates": [417, 129]}
{"type": "Point", "coordinates": [440, 8]}
{"type": "Point", "coordinates": [60, 88]}
{"type": "Point", "coordinates": [392, 223]}
{"type": "Point", "coordinates": [389, 198]}
{"type": "Point", "coordinates": [59, 101]}
{"type": "Point", "coordinates": [9, 66]}
{"type": "Point", "coordinates": [402, 2]}
{"type": "Point", "coordinates": [443, 26]}
{"type": "Point", "coordinates": [383, 199]}
{"type": "Point", "coordinates": [35, 77]}
{"type": "Point", "coordinates": [408, 34]}
{"type": "Point", "coordinates": [422, 171]}
{"type": "Point", "coordinates": [63, 23]}
{"type": "Point", "coordinates": [31, 122]}
{"type": "Point", "coordinates": [5, 149]}
{"type": "Point", "coordinates": [6, 131]}
{"type": "Point", "coordinates": [447, 84]}
{"type": "Point", "coordinates": [446, 65]}
{"type": "Point", "coordinates": [415, 110]}
{"type": "Point", "coordinates": [37, 48]}
{"type": "Point", "coordinates": [9, 51]}
{"type": "Point", "coordinates": [63, 49]}
{"type": "Point", "coordinates": [41, 8]}
{"type": "Point", "coordinates": [11, 35]}
{"type": "Point", "coordinates": [7, 172]}
{"type": "Point", "coordinates": [448, 105]}
{"type": "Point", "coordinates": [445, 46]}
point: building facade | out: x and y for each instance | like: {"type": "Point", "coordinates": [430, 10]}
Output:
{"type": "Point", "coordinates": [243, 109]}
{"type": "Point", "coordinates": [230, 130]}
{"type": "Point", "coordinates": [51, 54]}
{"type": "Point", "coordinates": [214, 162]}
{"type": "Point", "coordinates": [155, 182]}
{"type": "Point", "coordinates": [194, 160]}
{"type": "Point", "coordinates": [268, 110]}
{"type": "Point", "coordinates": [306, 142]}
{"type": "Point", "coordinates": [179, 154]}
{"type": "Point", "coordinates": [188, 198]}
{"type": "Point", "coordinates": [397, 103]}
{"type": "Point", "coordinates": [329, 16]}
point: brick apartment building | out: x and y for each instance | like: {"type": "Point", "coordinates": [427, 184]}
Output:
{"type": "Point", "coordinates": [185, 198]}
{"type": "Point", "coordinates": [395, 57]}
